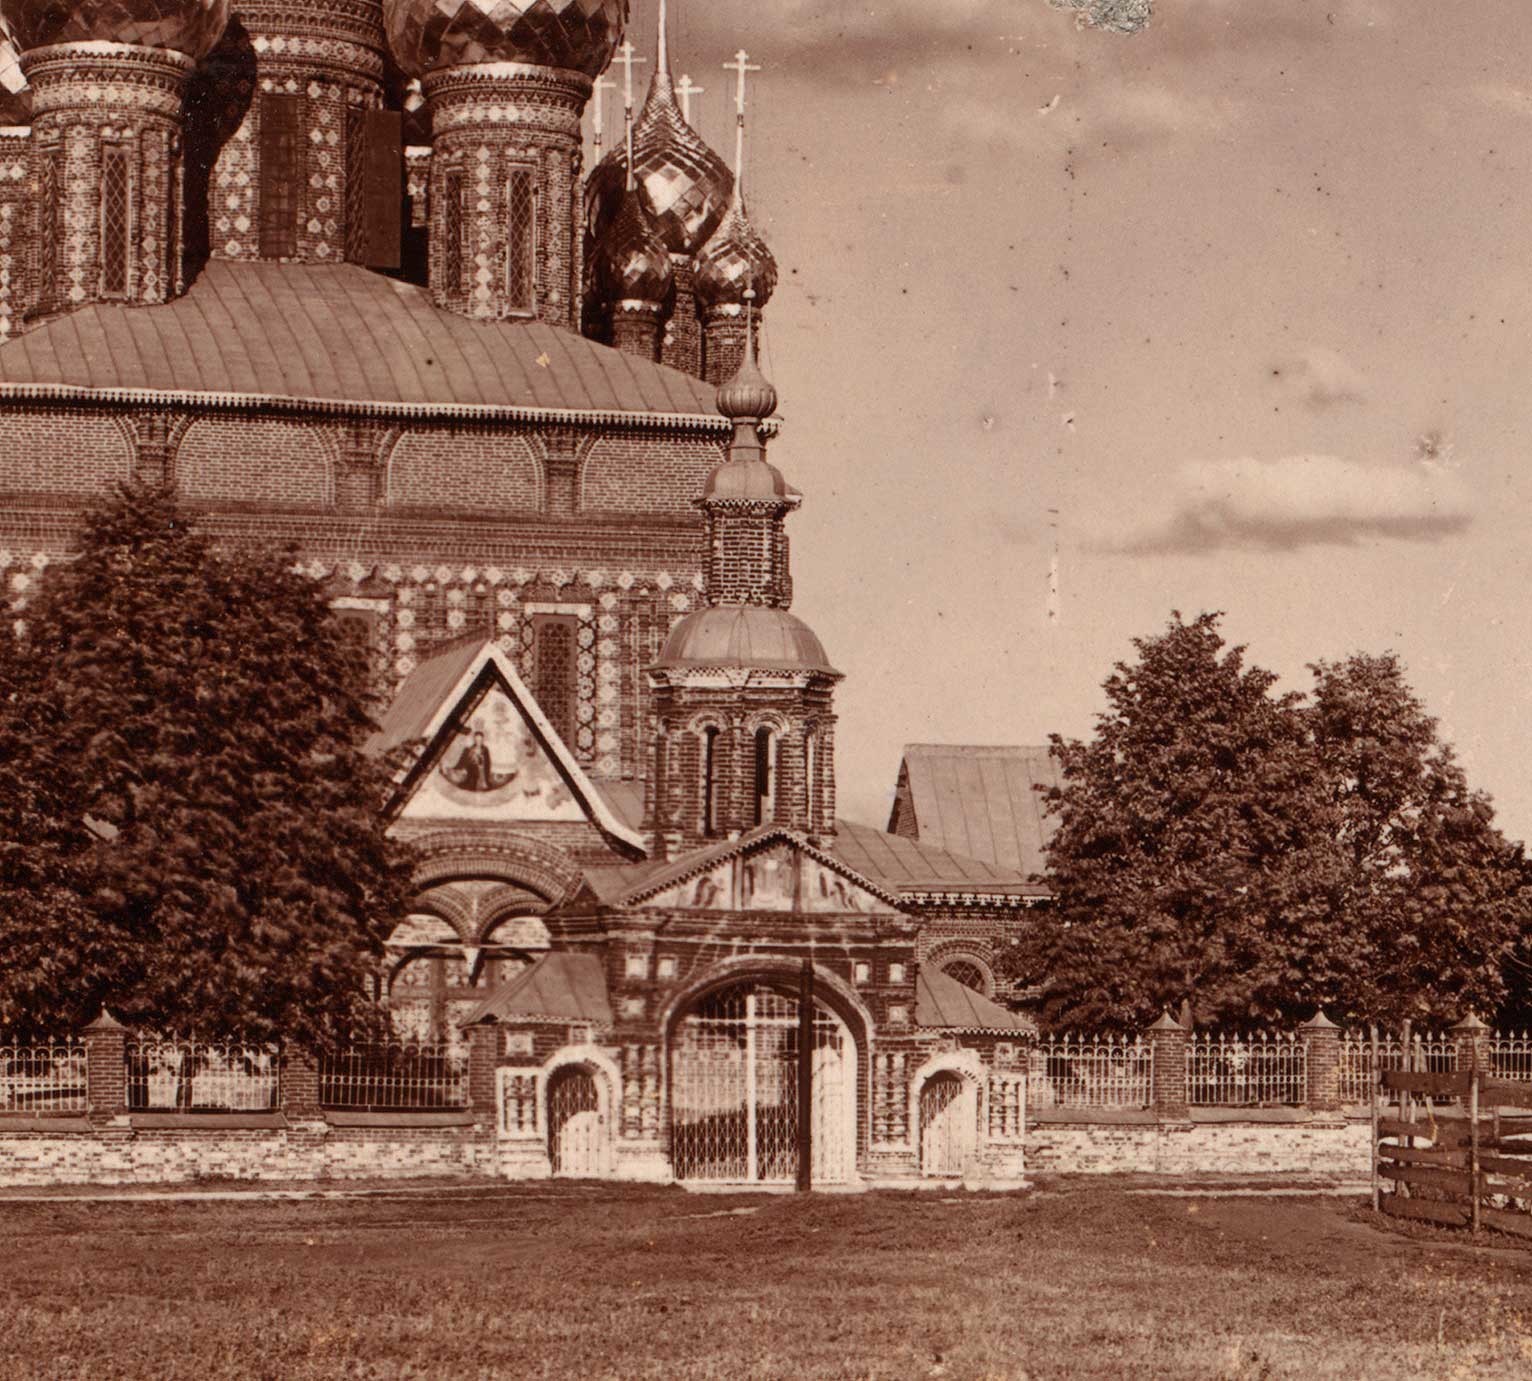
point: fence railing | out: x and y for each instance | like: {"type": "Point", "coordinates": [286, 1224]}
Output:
{"type": "Point", "coordinates": [394, 1078]}
{"type": "Point", "coordinates": [45, 1078]}
{"type": "Point", "coordinates": [1092, 1072]}
{"type": "Point", "coordinates": [1242, 1072]}
{"type": "Point", "coordinates": [1510, 1055]}
{"type": "Point", "coordinates": [201, 1076]}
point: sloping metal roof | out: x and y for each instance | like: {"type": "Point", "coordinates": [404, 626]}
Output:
{"type": "Point", "coordinates": [558, 987]}
{"type": "Point", "coordinates": [905, 865]}
{"type": "Point", "coordinates": [942, 1002]}
{"type": "Point", "coordinates": [338, 334]}
{"type": "Point", "coordinates": [420, 696]}
{"type": "Point", "coordinates": [980, 802]}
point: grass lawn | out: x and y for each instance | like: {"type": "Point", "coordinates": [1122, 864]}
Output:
{"type": "Point", "coordinates": [596, 1281]}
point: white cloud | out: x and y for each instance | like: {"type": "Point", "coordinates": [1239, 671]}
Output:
{"type": "Point", "coordinates": [1297, 502]}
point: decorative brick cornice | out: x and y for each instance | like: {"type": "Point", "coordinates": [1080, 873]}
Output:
{"type": "Point", "coordinates": [303, 28]}
{"type": "Point", "coordinates": [69, 77]}
{"type": "Point", "coordinates": [511, 95]}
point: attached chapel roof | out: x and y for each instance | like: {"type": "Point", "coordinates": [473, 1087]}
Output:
{"type": "Point", "coordinates": [420, 696]}
{"type": "Point", "coordinates": [980, 802]}
{"type": "Point", "coordinates": [942, 1003]}
{"type": "Point", "coordinates": [908, 865]}
{"type": "Point", "coordinates": [558, 987]}
{"type": "Point", "coordinates": [342, 338]}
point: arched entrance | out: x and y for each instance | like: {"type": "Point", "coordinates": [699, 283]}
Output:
{"type": "Point", "coordinates": [948, 1114]}
{"type": "Point", "coordinates": [734, 1089]}
{"type": "Point", "coordinates": [577, 1140]}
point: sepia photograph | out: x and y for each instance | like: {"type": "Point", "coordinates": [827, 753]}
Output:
{"type": "Point", "coordinates": [765, 689]}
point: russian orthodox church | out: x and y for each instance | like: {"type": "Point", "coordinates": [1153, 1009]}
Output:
{"type": "Point", "coordinates": [334, 273]}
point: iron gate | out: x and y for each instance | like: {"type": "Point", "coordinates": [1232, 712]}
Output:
{"type": "Point", "coordinates": [576, 1139]}
{"type": "Point", "coordinates": [947, 1115]}
{"type": "Point", "coordinates": [734, 1090]}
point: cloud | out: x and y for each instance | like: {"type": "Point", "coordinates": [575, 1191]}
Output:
{"type": "Point", "coordinates": [1319, 377]}
{"type": "Point", "coordinates": [1301, 501]}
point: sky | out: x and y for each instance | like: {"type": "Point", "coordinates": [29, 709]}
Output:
{"type": "Point", "coordinates": [1240, 290]}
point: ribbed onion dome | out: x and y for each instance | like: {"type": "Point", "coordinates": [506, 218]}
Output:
{"type": "Point", "coordinates": [749, 394]}
{"type": "Point", "coordinates": [752, 480]}
{"type": "Point", "coordinates": [191, 27]}
{"type": "Point", "coordinates": [632, 263]}
{"type": "Point", "coordinates": [734, 259]}
{"type": "Point", "coordinates": [685, 184]}
{"type": "Point", "coordinates": [756, 636]}
{"type": "Point", "coordinates": [575, 35]}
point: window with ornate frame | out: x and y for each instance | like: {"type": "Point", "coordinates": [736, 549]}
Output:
{"type": "Point", "coordinates": [116, 219]}
{"type": "Point", "coordinates": [50, 225]}
{"type": "Point", "coordinates": [452, 231]}
{"type": "Point", "coordinates": [555, 675]}
{"type": "Point", "coordinates": [521, 240]}
{"type": "Point", "coordinates": [710, 780]}
{"type": "Point", "coordinates": [282, 179]}
{"type": "Point", "coordinates": [765, 774]}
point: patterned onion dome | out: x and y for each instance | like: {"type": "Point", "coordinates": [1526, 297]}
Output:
{"type": "Point", "coordinates": [191, 27]}
{"type": "Point", "coordinates": [735, 259]}
{"type": "Point", "coordinates": [748, 395]}
{"type": "Point", "coordinates": [576, 35]}
{"type": "Point", "coordinates": [632, 263]}
{"type": "Point", "coordinates": [684, 182]}
{"type": "Point", "coordinates": [757, 636]}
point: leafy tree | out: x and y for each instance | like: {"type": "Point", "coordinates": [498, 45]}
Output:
{"type": "Point", "coordinates": [1257, 855]}
{"type": "Point", "coordinates": [190, 832]}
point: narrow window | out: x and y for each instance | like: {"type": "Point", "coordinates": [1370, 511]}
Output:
{"type": "Point", "coordinates": [356, 185]}
{"type": "Point", "coordinates": [452, 232]}
{"type": "Point", "coordinates": [173, 229]}
{"type": "Point", "coordinates": [49, 227]}
{"type": "Point", "coordinates": [281, 174]}
{"type": "Point", "coordinates": [554, 680]}
{"type": "Point", "coordinates": [710, 781]}
{"type": "Point", "coordinates": [520, 269]}
{"type": "Point", "coordinates": [115, 211]}
{"type": "Point", "coordinates": [808, 783]}
{"type": "Point", "coordinates": [765, 742]}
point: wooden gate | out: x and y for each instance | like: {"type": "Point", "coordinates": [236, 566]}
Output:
{"type": "Point", "coordinates": [576, 1124]}
{"type": "Point", "coordinates": [947, 1125]}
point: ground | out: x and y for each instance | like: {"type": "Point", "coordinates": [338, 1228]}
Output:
{"type": "Point", "coordinates": [1078, 1278]}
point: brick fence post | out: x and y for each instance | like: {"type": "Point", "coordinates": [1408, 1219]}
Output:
{"type": "Point", "coordinates": [483, 1057]}
{"type": "Point", "coordinates": [1168, 1039]}
{"type": "Point", "coordinates": [1471, 1038]}
{"type": "Point", "coordinates": [1321, 1037]}
{"type": "Point", "coordinates": [106, 1067]}
{"type": "Point", "coordinates": [300, 1085]}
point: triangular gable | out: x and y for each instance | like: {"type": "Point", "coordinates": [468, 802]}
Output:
{"type": "Point", "coordinates": [492, 757]}
{"type": "Point", "coordinates": [772, 869]}
{"type": "Point", "coordinates": [944, 1004]}
{"type": "Point", "coordinates": [558, 987]}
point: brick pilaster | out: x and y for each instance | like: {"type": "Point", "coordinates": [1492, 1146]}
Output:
{"type": "Point", "coordinates": [106, 1067]}
{"type": "Point", "coordinates": [300, 1085]}
{"type": "Point", "coordinates": [1472, 1039]}
{"type": "Point", "coordinates": [1169, 1039]}
{"type": "Point", "coordinates": [483, 1059]}
{"type": "Point", "coordinates": [1321, 1037]}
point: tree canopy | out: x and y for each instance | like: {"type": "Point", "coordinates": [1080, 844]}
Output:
{"type": "Point", "coordinates": [190, 832]}
{"type": "Point", "coordinates": [1258, 855]}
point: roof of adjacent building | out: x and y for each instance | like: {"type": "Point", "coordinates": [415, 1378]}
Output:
{"type": "Point", "coordinates": [420, 695]}
{"type": "Point", "coordinates": [909, 865]}
{"type": "Point", "coordinates": [342, 336]}
{"type": "Point", "coordinates": [980, 802]}
{"type": "Point", "coordinates": [558, 987]}
{"type": "Point", "coordinates": [941, 1002]}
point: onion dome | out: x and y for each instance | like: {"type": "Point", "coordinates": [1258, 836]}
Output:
{"type": "Point", "coordinates": [760, 637]}
{"type": "Point", "coordinates": [747, 481]}
{"type": "Point", "coordinates": [575, 35]}
{"type": "Point", "coordinates": [749, 395]}
{"type": "Point", "coordinates": [632, 263]}
{"type": "Point", "coordinates": [735, 259]}
{"type": "Point", "coordinates": [685, 184]}
{"type": "Point", "coordinates": [191, 27]}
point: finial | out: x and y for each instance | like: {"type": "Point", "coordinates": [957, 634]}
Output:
{"type": "Point", "coordinates": [739, 67]}
{"type": "Point", "coordinates": [662, 48]}
{"type": "Point", "coordinates": [748, 397]}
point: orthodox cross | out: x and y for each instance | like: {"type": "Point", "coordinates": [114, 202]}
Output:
{"type": "Point", "coordinates": [686, 88]}
{"type": "Point", "coordinates": [739, 67]}
{"type": "Point", "coordinates": [628, 56]}
{"type": "Point", "coordinates": [597, 87]}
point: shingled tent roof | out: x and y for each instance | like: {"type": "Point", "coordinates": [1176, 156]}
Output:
{"type": "Point", "coordinates": [942, 1003]}
{"type": "Point", "coordinates": [980, 802]}
{"type": "Point", "coordinates": [339, 336]}
{"type": "Point", "coordinates": [558, 987]}
{"type": "Point", "coordinates": [908, 865]}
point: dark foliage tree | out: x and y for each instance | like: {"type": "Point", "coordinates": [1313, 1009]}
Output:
{"type": "Point", "coordinates": [190, 832]}
{"type": "Point", "coordinates": [1257, 856]}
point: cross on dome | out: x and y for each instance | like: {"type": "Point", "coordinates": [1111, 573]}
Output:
{"type": "Point", "coordinates": [686, 88]}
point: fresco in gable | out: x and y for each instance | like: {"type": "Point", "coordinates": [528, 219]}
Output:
{"type": "Point", "coordinates": [779, 878]}
{"type": "Point", "coordinates": [494, 768]}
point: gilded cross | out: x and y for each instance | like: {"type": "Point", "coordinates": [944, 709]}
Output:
{"type": "Point", "coordinates": [739, 67]}
{"type": "Point", "coordinates": [686, 88]}
{"type": "Point", "coordinates": [597, 87]}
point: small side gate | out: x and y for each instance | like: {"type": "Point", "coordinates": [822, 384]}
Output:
{"type": "Point", "coordinates": [576, 1124]}
{"type": "Point", "coordinates": [948, 1116]}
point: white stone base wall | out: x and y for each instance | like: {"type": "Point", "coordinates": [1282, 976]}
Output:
{"type": "Point", "coordinates": [1332, 1148]}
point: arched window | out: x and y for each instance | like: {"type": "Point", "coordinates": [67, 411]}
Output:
{"type": "Point", "coordinates": [969, 973]}
{"type": "Point", "coordinates": [710, 780]}
{"type": "Point", "coordinates": [765, 775]}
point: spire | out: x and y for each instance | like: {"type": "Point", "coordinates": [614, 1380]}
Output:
{"type": "Point", "coordinates": [661, 79]}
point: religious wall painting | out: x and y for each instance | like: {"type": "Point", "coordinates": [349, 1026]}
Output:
{"type": "Point", "coordinates": [779, 877]}
{"type": "Point", "coordinates": [495, 767]}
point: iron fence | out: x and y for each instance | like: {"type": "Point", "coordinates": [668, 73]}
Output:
{"type": "Point", "coordinates": [48, 1077]}
{"type": "Point", "coordinates": [394, 1077]}
{"type": "Point", "coordinates": [201, 1076]}
{"type": "Point", "coordinates": [1241, 1072]}
{"type": "Point", "coordinates": [1510, 1055]}
{"type": "Point", "coordinates": [1092, 1072]}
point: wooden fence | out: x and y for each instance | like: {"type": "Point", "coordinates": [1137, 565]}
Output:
{"type": "Point", "coordinates": [1453, 1150]}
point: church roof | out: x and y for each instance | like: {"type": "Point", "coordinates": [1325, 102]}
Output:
{"type": "Point", "coordinates": [341, 338]}
{"type": "Point", "coordinates": [942, 1003]}
{"type": "Point", "coordinates": [558, 987]}
{"type": "Point", "coordinates": [977, 801]}
{"type": "Point", "coordinates": [420, 695]}
{"type": "Point", "coordinates": [909, 865]}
